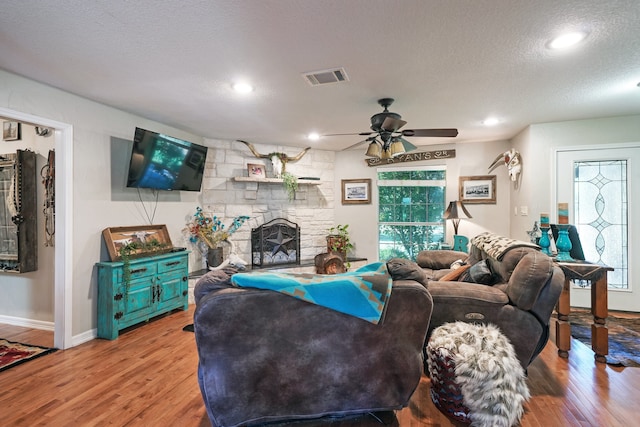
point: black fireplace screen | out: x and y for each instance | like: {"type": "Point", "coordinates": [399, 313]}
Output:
{"type": "Point", "coordinates": [276, 242]}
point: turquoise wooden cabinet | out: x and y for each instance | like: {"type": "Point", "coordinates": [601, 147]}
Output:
{"type": "Point", "coordinates": [156, 285]}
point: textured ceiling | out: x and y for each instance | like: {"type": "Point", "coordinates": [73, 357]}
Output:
{"type": "Point", "coordinates": [447, 63]}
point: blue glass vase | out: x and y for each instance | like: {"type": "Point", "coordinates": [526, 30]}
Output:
{"type": "Point", "coordinates": [563, 244]}
{"type": "Point", "coordinates": [544, 241]}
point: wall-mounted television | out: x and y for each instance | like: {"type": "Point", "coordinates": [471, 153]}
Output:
{"type": "Point", "coordinates": [162, 162]}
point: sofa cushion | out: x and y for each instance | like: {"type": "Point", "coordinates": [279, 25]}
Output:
{"type": "Point", "coordinates": [479, 273]}
{"type": "Point", "coordinates": [440, 259]}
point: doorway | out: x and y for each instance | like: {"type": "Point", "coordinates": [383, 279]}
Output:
{"type": "Point", "coordinates": [597, 182]}
{"type": "Point", "coordinates": [63, 134]}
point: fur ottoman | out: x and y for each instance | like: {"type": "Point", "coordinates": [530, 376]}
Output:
{"type": "Point", "coordinates": [475, 375]}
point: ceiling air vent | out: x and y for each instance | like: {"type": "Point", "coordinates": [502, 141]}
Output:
{"type": "Point", "coordinates": [323, 77]}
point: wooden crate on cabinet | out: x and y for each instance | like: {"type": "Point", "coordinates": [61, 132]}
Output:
{"type": "Point", "coordinates": [157, 284]}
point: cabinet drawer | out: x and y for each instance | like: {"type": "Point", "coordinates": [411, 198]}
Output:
{"type": "Point", "coordinates": [141, 270]}
{"type": "Point", "coordinates": [173, 264]}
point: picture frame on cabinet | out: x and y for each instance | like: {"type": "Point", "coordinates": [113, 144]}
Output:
{"type": "Point", "coordinates": [145, 240]}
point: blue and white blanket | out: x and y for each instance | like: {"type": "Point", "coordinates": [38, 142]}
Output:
{"type": "Point", "coordinates": [362, 293]}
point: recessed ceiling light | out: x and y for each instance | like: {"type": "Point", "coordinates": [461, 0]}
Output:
{"type": "Point", "coordinates": [242, 87]}
{"type": "Point", "coordinates": [313, 136]}
{"type": "Point", "coordinates": [491, 121]}
{"type": "Point", "coordinates": [567, 40]}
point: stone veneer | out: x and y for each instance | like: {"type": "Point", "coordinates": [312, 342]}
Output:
{"type": "Point", "coordinates": [312, 209]}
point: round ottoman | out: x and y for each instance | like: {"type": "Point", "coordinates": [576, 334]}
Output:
{"type": "Point", "coordinates": [475, 375]}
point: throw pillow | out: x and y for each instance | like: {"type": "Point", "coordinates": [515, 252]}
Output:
{"type": "Point", "coordinates": [454, 274]}
{"type": "Point", "coordinates": [478, 273]}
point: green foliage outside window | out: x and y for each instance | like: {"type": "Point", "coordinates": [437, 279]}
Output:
{"type": "Point", "coordinates": [410, 212]}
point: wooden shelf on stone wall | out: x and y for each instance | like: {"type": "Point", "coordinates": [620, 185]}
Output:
{"type": "Point", "coordinates": [301, 181]}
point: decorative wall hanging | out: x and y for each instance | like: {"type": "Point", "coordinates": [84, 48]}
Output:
{"type": "Point", "coordinates": [278, 160]}
{"type": "Point", "coordinates": [413, 157]}
{"type": "Point", "coordinates": [513, 161]}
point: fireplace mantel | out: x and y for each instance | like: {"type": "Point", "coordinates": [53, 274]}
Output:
{"type": "Point", "coordinates": [301, 181]}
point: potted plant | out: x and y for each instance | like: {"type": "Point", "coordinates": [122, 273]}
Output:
{"type": "Point", "coordinates": [339, 241]}
{"type": "Point", "coordinates": [290, 182]}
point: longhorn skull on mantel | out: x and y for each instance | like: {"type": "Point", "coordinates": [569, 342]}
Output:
{"type": "Point", "coordinates": [278, 160]}
{"type": "Point", "coordinates": [513, 161]}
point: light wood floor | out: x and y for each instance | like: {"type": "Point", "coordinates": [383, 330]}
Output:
{"type": "Point", "coordinates": [147, 377]}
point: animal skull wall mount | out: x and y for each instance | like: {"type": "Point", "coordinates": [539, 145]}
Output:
{"type": "Point", "coordinates": [278, 160]}
{"type": "Point", "coordinates": [513, 161]}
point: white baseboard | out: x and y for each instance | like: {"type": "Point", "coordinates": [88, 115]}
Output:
{"type": "Point", "coordinates": [84, 337]}
{"type": "Point", "coordinates": [27, 323]}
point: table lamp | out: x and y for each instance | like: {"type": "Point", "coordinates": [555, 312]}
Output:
{"type": "Point", "coordinates": [455, 212]}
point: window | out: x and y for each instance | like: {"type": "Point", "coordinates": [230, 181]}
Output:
{"type": "Point", "coordinates": [600, 191]}
{"type": "Point", "coordinates": [411, 202]}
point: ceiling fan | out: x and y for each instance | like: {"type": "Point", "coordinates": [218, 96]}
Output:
{"type": "Point", "coordinates": [386, 140]}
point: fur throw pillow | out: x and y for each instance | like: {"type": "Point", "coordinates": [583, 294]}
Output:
{"type": "Point", "coordinates": [487, 371]}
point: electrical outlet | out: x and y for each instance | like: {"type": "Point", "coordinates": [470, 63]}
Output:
{"type": "Point", "coordinates": [524, 210]}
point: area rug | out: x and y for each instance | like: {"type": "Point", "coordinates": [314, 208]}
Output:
{"type": "Point", "coordinates": [15, 353]}
{"type": "Point", "coordinates": [624, 337]}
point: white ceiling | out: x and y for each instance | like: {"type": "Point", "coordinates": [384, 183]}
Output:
{"type": "Point", "coordinates": [447, 63]}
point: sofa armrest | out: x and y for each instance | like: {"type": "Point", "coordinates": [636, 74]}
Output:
{"type": "Point", "coordinates": [439, 259]}
{"type": "Point", "coordinates": [265, 356]}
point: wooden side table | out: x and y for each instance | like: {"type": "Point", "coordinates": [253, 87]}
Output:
{"type": "Point", "coordinates": [597, 275]}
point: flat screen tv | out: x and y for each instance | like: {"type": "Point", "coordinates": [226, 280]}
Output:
{"type": "Point", "coordinates": [162, 162]}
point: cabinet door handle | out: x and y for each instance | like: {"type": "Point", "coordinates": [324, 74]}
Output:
{"type": "Point", "coordinates": [139, 270]}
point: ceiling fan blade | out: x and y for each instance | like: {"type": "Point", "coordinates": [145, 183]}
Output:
{"type": "Point", "coordinates": [442, 133]}
{"type": "Point", "coordinates": [358, 143]}
{"type": "Point", "coordinates": [391, 125]}
{"type": "Point", "coordinates": [347, 134]}
{"type": "Point", "coordinates": [407, 145]}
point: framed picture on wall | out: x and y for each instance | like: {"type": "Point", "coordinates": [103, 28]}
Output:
{"type": "Point", "coordinates": [479, 189]}
{"type": "Point", "coordinates": [356, 191]}
{"type": "Point", "coordinates": [11, 131]}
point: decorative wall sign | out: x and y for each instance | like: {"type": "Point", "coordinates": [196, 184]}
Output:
{"type": "Point", "coordinates": [477, 189]}
{"type": "Point", "coordinates": [356, 191]}
{"type": "Point", "coordinates": [413, 157]}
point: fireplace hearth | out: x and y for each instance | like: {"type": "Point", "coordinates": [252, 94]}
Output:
{"type": "Point", "coordinates": [275, 243]}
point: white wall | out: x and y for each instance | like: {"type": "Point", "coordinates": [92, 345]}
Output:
{"type": "Point", "coordinates": [94, 127]}
{"type": "Point", "coordinates": [537, 144]}
{"type": "Point", "coordinates": [471, 159]}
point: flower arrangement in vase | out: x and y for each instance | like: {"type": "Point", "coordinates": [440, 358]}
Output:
{"type": "Point", "coordinates": [210, 230]}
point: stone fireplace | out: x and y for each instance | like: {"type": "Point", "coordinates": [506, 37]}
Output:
{"type": "Point", "coordinates": [275, 243]}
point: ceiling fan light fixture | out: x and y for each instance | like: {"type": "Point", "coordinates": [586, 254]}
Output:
{"type": "Point", "coordinates": [373, 150]}
{"type": "Point", "coordinates": [386, 154]}
{"type": "Point", "coordinates": [396, 148]}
